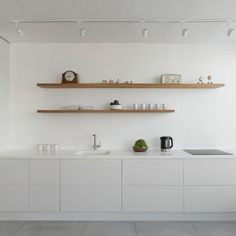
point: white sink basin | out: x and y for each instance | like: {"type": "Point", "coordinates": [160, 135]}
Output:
{"type": "Point", "coordinates": [92, 152]}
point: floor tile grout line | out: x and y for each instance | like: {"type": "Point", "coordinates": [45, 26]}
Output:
{"type": "Point", "coordinates": [194, 228]}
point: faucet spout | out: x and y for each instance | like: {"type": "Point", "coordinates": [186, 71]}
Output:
{"type": "Point", "coordinates": [95, 144]}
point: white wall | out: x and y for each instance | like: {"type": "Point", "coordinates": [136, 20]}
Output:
{"type": "Point", "coordinates": [202, 117]}
{"type": "Point", "coordinates": [4, 94]}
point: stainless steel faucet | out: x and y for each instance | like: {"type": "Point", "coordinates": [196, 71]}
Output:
{"type": "Point", "coordinates": [95, 145]}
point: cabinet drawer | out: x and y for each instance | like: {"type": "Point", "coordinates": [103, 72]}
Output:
{"type": "Point", "coordinates": [210, 199]}
{"type": "Point", "coordinates": [153, 172]}
{"type": "Point", "coordinates": [91, 199]}
{"type": "Point", "coordinates": [86, 172]}
{"type": "Point", "coordinates": [14, 172]}
{"type": "Point", "coordinates": [152, 199]}
{"type": "Point", "coordinates": [13, 199]}
{"type": "Point", "coordinates": [44, 172]}
{"type": "Point", "coordinates": [45, 199]}
{"type": "Point", "coordinates": [210, 172]}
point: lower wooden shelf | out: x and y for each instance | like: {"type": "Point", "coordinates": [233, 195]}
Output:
{"type": "Point", "coordinates": [105, 111]}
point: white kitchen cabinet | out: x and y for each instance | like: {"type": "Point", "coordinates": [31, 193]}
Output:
{"type": "Point", "coordinates": [44, 199]}
{"type": "Point", "coordinates": [152, 199]}
{"type": "Point", "coordinates": [210, 172]}
{"type": "Point", "coordinates": [14, 172]}
{"type": "Point", "coordinates": [91, 172]}
{"type": "Point", "coordinates": [152, 172]}
{"type": "Point", "coordinates": [14, 198]}
{"type": "Point", "coordinates": [210, 199]}
{"type": "Point", "coordinates": [45, 172]}
{"type": "Point", "coordinates": [91, 199]}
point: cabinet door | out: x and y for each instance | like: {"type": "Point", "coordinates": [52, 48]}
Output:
{"type": "Point", "coordinates": [45, 172]}
{"type": "Point", "coordinates": [91, 199]}
{"type": "Point", "coordinates": [45, 199]}
{"type": "Point", "coordinates": [14, 199]}
{"type": "Point", "coordinates": [90, 172]}
{"type": "Point", "coordinates": [210, 172]}
{"type": "Point", "coordinates": [210, 199]}
{"type": "Point", "coordinates": [152, 172]}
{"type": "Point", "coordinates": [14, 172]}
{"type": "Point", "coordinates": [152, 199]}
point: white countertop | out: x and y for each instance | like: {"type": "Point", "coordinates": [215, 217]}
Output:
{"type": "Point", "coordinates": [115, 154]}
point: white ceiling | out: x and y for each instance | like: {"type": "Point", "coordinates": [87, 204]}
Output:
{"type": "Point", "coordinates": [116, 9]}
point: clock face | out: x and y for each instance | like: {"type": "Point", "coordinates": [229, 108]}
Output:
{"type": "Point", "coordinates": [69, 76]}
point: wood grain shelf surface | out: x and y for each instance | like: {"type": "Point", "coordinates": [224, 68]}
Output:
{"type": "Point", "coordinates": [105, 111]}
{"type": "Point", "coordinates": [129, 86]}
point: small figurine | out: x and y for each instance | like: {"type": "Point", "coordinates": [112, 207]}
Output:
{"type": "Point", "coordinates": [111, 81]}
{"type": "Point", "coordinates": [126, 82]}
{"type": "Point", "coordinates": [131, 82]}
{"type": "Point", "coordinates": [209, 79]}
{"type": "Point", "coordinates": [104, 81]}
{"type": "Point", "coordinates": [200, 80]}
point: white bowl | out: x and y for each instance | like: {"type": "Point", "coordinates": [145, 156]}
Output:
{"type": "Point", "coordinates": [116, 107]}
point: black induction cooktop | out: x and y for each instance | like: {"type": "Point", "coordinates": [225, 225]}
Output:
{"type": "Point", "coordinates": [206, 152]}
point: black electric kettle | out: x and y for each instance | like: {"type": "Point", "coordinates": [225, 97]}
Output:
{"type": "Point", "coordinates": [166, 143]}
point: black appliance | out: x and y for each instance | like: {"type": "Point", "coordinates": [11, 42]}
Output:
{"type": "Point", "coordinates": [166, 143]}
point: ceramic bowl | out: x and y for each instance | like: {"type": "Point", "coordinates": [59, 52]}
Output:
{"type": "Point", "coordinates": [138, 149]}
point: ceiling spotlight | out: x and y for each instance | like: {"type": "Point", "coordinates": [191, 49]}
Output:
{"type": "Point", "coordinates": [184, 33]}
{"type": "Point", "coordinates": [19, 31]}
{"type": "Point", "coordinates": [145, 33]}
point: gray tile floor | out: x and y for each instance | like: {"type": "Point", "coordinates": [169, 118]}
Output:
{"type": "Point", "coordinates": [160, 228]}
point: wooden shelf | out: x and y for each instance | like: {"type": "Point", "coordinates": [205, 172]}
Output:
{"type": "Point", "coordinates": [105, 111]}
{"type": "Point", "coordinates": [129, 86]}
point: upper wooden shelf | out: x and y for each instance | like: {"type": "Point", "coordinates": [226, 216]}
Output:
{"type": "Point", "coordinates": [129, 86]}
{"type": "Point", "coordinates": [104, 111]}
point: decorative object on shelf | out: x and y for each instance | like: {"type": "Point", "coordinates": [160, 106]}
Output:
{"type": "Point", "coordinates": [171, 79]}
{"type": "Point", "coordinates": [117, 81]}
{"type": "Point", "coordinates": [115, 105]}
{"type": "Point", "coordinates": [201, 80]}
{"type": "Point", "coordinates": [111, 81]}
{"type": "Point", "coordinates": [70, 77]}
{"type": "Point", "coordinates": [209, 79]}
{"type": "Point", "coordinates": [140, 146]}
{"type": "Point", "coordinates": [104, 82]}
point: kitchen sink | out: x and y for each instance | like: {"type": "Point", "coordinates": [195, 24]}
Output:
{"type": "Point", "coordinates": [93, 152]}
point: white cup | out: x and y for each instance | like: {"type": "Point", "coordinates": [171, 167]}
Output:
{"type": "Point", "coordinates": [150, 106]}
{"type": "Point", "coordinates": [164, 106]}
{"type": "Point", "coordinates": [55, 148]}
{"type": "Point", "coordinates": [143, 106]}
{"type": "Point", "coordinates": [40, 148]}
{"type": "Point", "coordinates": [48, 148]}
{"type": "Point", "coordinates": [135, 106]}
{"type": "Point", "coordinates": [157, 106]}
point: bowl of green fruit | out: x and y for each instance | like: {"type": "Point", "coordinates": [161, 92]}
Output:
{"type": "Point", "coordinates": [140, 146]}
{"type": "Point", "coordinates": [115, 105]}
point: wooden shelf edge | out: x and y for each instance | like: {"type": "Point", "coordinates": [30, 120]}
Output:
{"type": "Point", "coordinates": [105, 111]}
{"type": "Point", "coordinates": [129, 86]}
